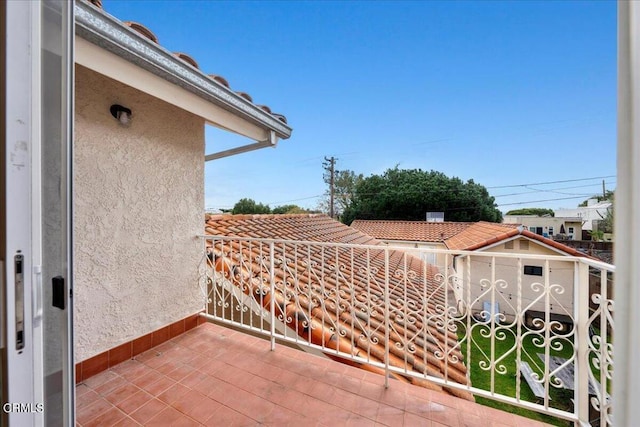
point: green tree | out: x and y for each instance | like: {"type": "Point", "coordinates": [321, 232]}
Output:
{"type": "Point", "coordinates": [606, 223]}
{"type": "Point", "coordinates": [288, 209]}
{"type": "Point", "coordinates": [596, 235]}
{"type": "Point", "coordinates": [532, 211]}
{"type": "Point", "coordinates": [344, 186]}
{"type": "Point", "coordinates": [249, 206]}
{"type": "Point", "coordinates": [410, 193]}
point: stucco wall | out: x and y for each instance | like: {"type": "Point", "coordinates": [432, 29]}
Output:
{"type": "Point", "coordinates": [138, 205]}
{"type": "Point", "coordinates": [560, 273]}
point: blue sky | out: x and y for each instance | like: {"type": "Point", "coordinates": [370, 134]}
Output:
{"type": "Point", "coordinates": [504, 93]}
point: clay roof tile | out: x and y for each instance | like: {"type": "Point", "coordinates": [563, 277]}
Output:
{"type": "Point", "coordinates": [186, 58]}
{"type": "Point", "coordinates": [245, 96]}
{"type": "Point", "coordinates": [414, 231]}
{"type": "Point", "coordinates": [220, 80]}
{"type": "Point", "coordinates": [142, 30]}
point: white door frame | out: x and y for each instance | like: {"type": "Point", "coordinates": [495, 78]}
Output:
{"type": "Point", "coordinates": [22, 139]}
{"type": "Point", "coordinates": [25, 376]}
{"type": "Point", "coordinates": [626, 380]}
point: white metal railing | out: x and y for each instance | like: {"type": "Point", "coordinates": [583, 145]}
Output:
{"type": "Point", "coordinates": [466, 325]}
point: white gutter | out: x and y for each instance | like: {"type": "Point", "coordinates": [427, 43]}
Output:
{"type": "Point", "coordinates": [271, 142]}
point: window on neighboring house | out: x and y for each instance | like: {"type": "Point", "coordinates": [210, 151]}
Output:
{"type": "Point", "coordinates": [570, 230]}
{"type": "Point", "coordinates": [524, 245]}
{"type": "Point", "coordinates": [550, 231]}
{"type": "Point", "coordinates": [532, 229]}
{"type": "Point", "coordinates": [533, 270]}
{"type": "Point", "coordinates": [508, 245]}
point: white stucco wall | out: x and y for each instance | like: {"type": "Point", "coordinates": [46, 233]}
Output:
{"type": "Point", "coordinates": [138, 205]}
{"type": "Point", "coordinates": [588, 214]}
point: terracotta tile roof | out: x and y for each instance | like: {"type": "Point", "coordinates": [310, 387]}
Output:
{"type": "Point", "coordinates": [147, 33]}
{"type": "Point", "coordinates": [413, 231]}
{"type": "Point", "coordinates": [361, 306]}
{"type": "Point", "coordinates": [568, 249]}
{"type": "Point", "coordinates": [467, 236]}
{"type": "Point", "coordinates": [480, 234]}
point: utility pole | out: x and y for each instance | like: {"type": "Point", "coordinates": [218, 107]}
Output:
{"type": "Point", "coordinates": [329, 177]}
{"type": "Point", "coordinates": [604, 192]}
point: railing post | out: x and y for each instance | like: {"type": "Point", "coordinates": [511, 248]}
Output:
{"type": "Point", "coordinates": [205, 263]}
{"type": "Point", "coordinates": [386, 318]}
{"type": "Point", "coordinates": [581, 310]}
{"type": "Point", "coordinates": [272, 303]}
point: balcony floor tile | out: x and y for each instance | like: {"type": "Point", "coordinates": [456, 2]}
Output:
{"type": "Point", "coordinates": [215, 376]}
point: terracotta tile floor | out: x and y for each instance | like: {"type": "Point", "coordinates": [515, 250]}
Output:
{"type": "Point", "coordinates": [215, 376]}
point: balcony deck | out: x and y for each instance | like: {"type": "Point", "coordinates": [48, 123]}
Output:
{"type": "Point", "coordinates": [216, 376]}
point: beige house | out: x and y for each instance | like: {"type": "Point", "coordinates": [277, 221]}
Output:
{"type": "Point", "coordinates": [497, 258]}
{"type": "Point", "coordinates": [502, 262]}
{"type": "Point", "coordinates": [139, 154]}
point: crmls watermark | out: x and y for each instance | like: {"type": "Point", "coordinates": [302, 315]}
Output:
{"type": "Point", "coordinates": [23, 407]}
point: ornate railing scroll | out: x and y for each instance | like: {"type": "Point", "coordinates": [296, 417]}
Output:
{"type": "Point", "coordinates": [530, 330]}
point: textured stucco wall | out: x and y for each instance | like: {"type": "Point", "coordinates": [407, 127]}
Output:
{"type": "Point", "coordinates": [138, 205]}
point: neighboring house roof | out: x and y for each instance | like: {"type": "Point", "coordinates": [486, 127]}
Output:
{"type": "Point", "coordinates": [557, 245]}
{"type": "Point", "coordinates": [412, 231]}
{"type": "Point", "coordinates": [468, 236]}
{"type": "Point", "coordinates": [137, 45]}
{"type": "Point", "coordinates": [363, 275]}
{"type": "Point", "coordinates": [480, 234]}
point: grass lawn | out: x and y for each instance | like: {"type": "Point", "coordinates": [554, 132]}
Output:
{"type": "Point", "coordinates": [506, 384]}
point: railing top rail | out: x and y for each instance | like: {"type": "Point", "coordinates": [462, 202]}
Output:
{"type": "Point", "coordinates": [462, 253]}
{"type": "Point", "coordinates": [597, 264]}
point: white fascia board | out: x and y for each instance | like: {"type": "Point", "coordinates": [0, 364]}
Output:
{"type": "Point", "coordinates": [109, 35]}
{"type": "Point", "coordinates": [116, 68]}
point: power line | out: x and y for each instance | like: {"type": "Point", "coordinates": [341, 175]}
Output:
{"type": "Point", "coordinates": [501, 195]}
{"type": "Point", "coordinates": [553, 189]}
{"type": "Point", "coordinates": [539, 201]}
{"type": "Point", "coordinates": [295, 200]}
{"type": "Point", "coordinates": [551, 182]}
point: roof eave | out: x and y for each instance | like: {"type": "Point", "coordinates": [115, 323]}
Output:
{"type": "Point", "coordinates": [103, 30]}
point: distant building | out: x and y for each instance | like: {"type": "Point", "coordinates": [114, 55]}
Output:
{"type": "Point", "coordinates": [560, 227]}
{"type": "Point", "coordinates": [594, 211]}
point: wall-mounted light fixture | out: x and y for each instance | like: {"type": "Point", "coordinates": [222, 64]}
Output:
{"type": "Point", "coordinates": [123, 114]}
